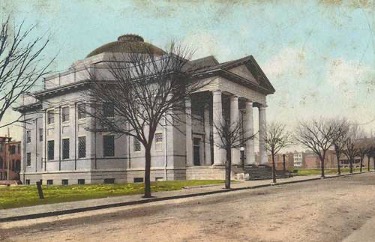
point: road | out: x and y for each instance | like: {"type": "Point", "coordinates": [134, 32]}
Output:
{"type": "Point", "coordinates": [323, 210]}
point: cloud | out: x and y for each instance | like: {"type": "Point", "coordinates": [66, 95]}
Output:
{"type": "Point", "coordinates": [288, 62]}
{"type": "Point", "coordinates": [342, 72]}
{"type": "Point", "coordinates": [205, 44]}
{"type": "Point", "coordinates": [348, 77]}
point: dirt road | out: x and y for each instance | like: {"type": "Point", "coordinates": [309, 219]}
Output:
{"type": "Point", "coordinates": [324, 210]}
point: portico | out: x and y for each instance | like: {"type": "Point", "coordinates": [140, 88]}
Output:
{"type": "Point", "coordinates": [220, 105]}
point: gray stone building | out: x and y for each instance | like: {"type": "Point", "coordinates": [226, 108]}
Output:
{"type": "Point", "coordinates": [58, 147]}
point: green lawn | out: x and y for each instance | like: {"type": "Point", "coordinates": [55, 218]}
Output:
{"type": "Point", "coordinates": [309, 172]}
{"type": "Point", "coordinates": [21, 196]}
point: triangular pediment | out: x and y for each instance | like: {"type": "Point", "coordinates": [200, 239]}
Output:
{"type": "Point", "coordinates": [244, 72]}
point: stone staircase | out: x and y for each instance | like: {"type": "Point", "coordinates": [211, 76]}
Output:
{"type": "Point", "coordinates": [262, 172]}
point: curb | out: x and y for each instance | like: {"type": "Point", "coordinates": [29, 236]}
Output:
{"type": "Point", "coordinates": [150, 200]}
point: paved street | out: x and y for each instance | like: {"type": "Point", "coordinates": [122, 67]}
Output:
{"type": "Point", "coordinates": [322, 210]}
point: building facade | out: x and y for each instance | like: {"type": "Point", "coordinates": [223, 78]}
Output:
{"type": "Point", "coordinates": [10, 159]}
{"type": "Point", "coordinates": [59, 148]}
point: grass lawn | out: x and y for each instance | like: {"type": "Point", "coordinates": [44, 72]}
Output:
{"type": "Point", "coordinates": [21, 196]}
{"type": "Point", "coordinates": [309, 172]}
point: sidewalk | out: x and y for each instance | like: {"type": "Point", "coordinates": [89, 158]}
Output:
{"type": "Point", "coordinates": [39, 211]}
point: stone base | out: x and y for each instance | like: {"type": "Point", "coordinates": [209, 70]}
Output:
{"type": "Point", "coordinates": [210, 172]}
{"type": "Point", "coordinates": [132, 175]}
{"type": "Point", "coordinates": [103, 176]}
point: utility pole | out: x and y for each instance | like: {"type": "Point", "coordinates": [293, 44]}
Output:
{"type": "Point", "coordinates": [284, 168]}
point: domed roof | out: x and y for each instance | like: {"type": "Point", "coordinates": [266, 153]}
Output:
{"type": "Point", "coordinates": [128, 43]}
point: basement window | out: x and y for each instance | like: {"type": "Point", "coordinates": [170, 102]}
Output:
{"type": "Point", "coordinates": [138, 179]}
{"type": "Point", "coordinates": [109, 181]}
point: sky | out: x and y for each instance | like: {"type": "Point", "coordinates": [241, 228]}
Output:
{"type": "Point", "coordinates": [319, 55]}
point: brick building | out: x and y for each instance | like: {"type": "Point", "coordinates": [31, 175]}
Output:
{"type": "Point", "coordinates": [289, 164]}
{"type": "Point", "coordinates": [10, 159]}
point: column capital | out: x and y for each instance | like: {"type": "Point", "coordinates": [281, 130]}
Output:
{"type": "Point", "coordinates": [234, 97]}
{"type": "Point", "coordinates": [216, 92]}
{"type": "Point", "coordinates": [262, 107]}
{"type": "Point", "coordinates": [249, 102]}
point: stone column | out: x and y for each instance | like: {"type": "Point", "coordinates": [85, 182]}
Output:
{"type": "Point", "coordinates": [168, 139]}
{"type": "Point", "coordinates": [262, 135]}
{"type": "Point", "coordinates": [217, 109]}
{"type": "Point", "coordinates": [189, 139]}
{"type": "Point", "coordinates": [249, 131]}
{"type": "Point", "coordinates": [207, 134]}
{"type": "Point", "coordinates": [234, 121]}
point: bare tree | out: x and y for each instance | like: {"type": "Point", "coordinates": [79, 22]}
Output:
{"type": "Point", "coordinates": [370, 153]}
{"type": "Point", "coordinates": [364, 148]}
{"type": "Point", "coordinates": [339, 137]}
{"type": "Point", "coordinates": [318, 136]}
{"type": "Point", "coordinates": [351, 145]}
{"type": "Point", "coordinates": [277, 138]}
{"type": "Point", "coordinates": [21, 63]}
{"type": "Point", "coordinates": [231, 136]}
{"type": "Point", "coordinates": [146, 88]}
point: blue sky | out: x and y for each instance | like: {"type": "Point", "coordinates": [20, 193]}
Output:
{"type": "Point", "coordinates": [319, 55]}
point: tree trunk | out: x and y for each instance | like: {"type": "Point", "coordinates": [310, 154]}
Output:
{"type": "Point", "coordinates": [147, 172]}
{"type": "Point", "coordinates": [337, 151]}
{"type": "Point", "coordinates": [228, 168]}
{"type": "Point", "coordinates": [368, 163]}
{"type": "Point", "coordinates": [338, 164]}
{"type": "Point", "coordinates": [360, 165]}
{"type": "Point", "coordinates": [273, 168]}
{"type": "Point", "coordinates": [351, 166]}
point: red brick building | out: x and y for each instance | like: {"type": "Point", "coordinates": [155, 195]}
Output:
{"type": "Point", "coordinates": [10, 159]}
{"type": "Point", "coordinates": [312, 161]}
{"type": "Point", "coordinates": [279, 161]}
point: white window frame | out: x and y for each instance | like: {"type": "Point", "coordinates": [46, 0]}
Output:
{"type": "Point", "coordinates": [159, 141]}
{"type": "Point", "coordinates": [66, 114]}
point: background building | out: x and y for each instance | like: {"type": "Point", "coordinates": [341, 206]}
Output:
{"type": "Point", "coordinates": [10, 159]}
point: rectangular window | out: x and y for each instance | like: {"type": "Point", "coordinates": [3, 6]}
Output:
{"type": "Point", "coordinates": [81, 181]}
{"type": "Point", "coordinates": [40, 134]}
{"type": "Point", "coordinates": [28, 136]}
{"type": "Point", "coordinates": [81, 110]}
{"type": "Point", "coordinates": [81, 147]}
{"type": "Point", "coordinates": [50, 117]}
{"type": "Point", "coordinates": [109, 180]}
{"type": "Point", "coordinates": [137, 145]}
{"type": "Point", "coordinates": [27, 182]}
{"type": "Point", "coordinates": [19, 148]}
{"type": "Point", "coordinates": [51, 150]}
{"type": "Point", "coordinates": [158, 141]}
{"type": "Point", "coordinates": [28, 159]}
{"type": "Point", "coordinates": [137, 179]}
{"type": "Point", "coordinates": [108, 110]}
{"type": "Point", "coordinates": [65, 114]}
{"type": "Point", "coordinates": [65, 148]}
{"type": "Point", "coordinates": [64, 182]}
{"type": "Point", "coordinates": [12, 149]}
{"type": "Point", "coordinates": [109, 145]}
{"type": "Point", "coordinates": [49, 182]}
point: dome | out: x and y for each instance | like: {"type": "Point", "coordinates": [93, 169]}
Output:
{"type": "Point", "coordinates": [127, 44]}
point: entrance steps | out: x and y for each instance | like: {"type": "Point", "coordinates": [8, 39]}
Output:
{"type": "Point", "coordinates": [260, 172]}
